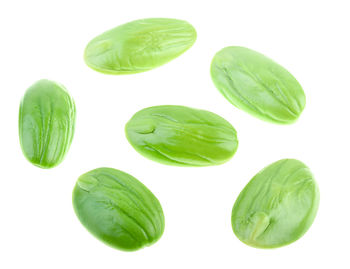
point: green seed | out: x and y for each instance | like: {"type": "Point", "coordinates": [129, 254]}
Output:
{"type": "Point", "coordinates": [277, 206]}
{"type": "Point", "coordinates": [118, 209]}
{"type": "Point", "coordinates": [46, 123]}
{"type": "Point", "coordinates": [139, 45]}
{"type": "Point", "coordinates": [256, 84]}
{"type": "Point", "coordinates": [182, 136]}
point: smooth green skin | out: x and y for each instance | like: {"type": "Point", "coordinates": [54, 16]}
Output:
{"type": "Point", "coordinates": [118, 209]}
{"type": "Point", "coordinates": [46, 123]}
{"type": "Point", "coordinates": [256, 84]}
{"type": "Point", "coordinates": [139, 45]}
{"type": "Point", "coordinates": [181, 136]}
{"type": "Point", "coordinates": [277, 206]}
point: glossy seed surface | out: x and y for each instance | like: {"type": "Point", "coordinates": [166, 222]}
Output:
{"type": "Point", "coordinates": [182, 136]}
{"type": "Point", "coordinates": [277, 206]}
{"type": "Point", "coordinates": [258, 85]}
{"type": "Point", "coordinates": [46, 123]}
{"type": "Point", "coordinates": [118, 209]}
{"type": "Point", "coordinates": [139, 45]}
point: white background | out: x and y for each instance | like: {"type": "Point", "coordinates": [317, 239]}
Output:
{"type": "Point", "coordinates": [46, 39]}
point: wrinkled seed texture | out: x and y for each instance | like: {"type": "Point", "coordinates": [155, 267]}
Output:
{"type": "Point", "coordinates": [118, 209]}
{"type": "Point", "coordinates": [139, 45]}
{"type": "Point", "coordinates": [257, 85]}
{"type": "Point", "coordinates": [181, 136]}
{"type": "Point", "coordinates": [277, 206]}
{"type": "Point", "coordinates": [46, 123]}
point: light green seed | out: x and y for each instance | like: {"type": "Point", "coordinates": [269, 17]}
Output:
{"type": "Point", "coordinates": [182, 136]}
{"type": "Point", "coordinates": [256, 84]}
{"type": "Point", "coordinates": [277, 206]}
{"type": "Point", "coordinates": [139, 45]}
